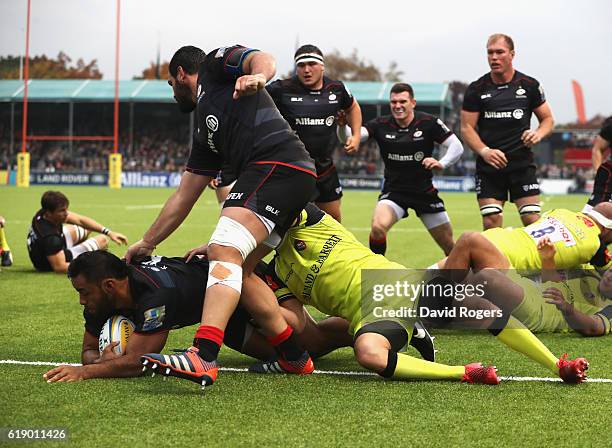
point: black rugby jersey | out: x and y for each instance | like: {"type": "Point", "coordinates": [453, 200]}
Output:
{"type": "Point", "coordinates": [403, 149]}
{"type": "Point", "coordinates": [168, 294]}
{"type": "Point", "coordinates": [312, 113]}
{"type": "Point", "coordinates": [44, 239]}
{"type": "Point", "coordinates": [238, 132]}
{"type": "Point", "coordinates": [505, 113]}
{"type": "Point", "coordinates": [606, 133]}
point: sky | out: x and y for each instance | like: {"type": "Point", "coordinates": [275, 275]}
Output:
{"type": "Point", "coordinates": [437, 41]}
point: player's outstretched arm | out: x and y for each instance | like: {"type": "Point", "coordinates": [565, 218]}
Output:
{"type": "Point", "coordinates": [94, 226]}
{"type": "Point", "coordinates": [123, 366]}
{"type": "Point", "coordinates": [580, 322]}
{"type": "Point", "coordinates": [174, 212]}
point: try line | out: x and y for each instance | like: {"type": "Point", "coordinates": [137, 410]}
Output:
{"type": "Point", "coordinates": [319, 372]}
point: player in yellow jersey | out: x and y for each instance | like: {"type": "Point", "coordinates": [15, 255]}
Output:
{"type": "Point", "coordinates": [579, 238]}
{"type": "Point", "coordinates": [579, 300]}
{"type": "Point", "coordinates": [322, 264]}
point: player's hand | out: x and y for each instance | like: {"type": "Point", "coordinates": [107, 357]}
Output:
{"type": "Point", "coordinates": [546, 248]}
{"type": "Point", "coordinates": [213, 184]}
{"type": "Point", "coordinates": [341, 118]}
{"type": "Point", "coordinates": [530, 138]}
{"type": "Point", "coordinates": [118, 238]}
{"type": "Point", "coordinates": [108, 353]}
{"type": "Point", "coordinates": [64, 373]}
{"type": "Point", "coordinates": [554, 297]}
{"type": "Point", "coordinates": [2, 221]}
{"type": "Point", "coordinates": [352, 144]}
{"type": "Point", "coordinates": [139, 250]}
{"type": "Point", "coordinates": [201, 250]}
{"type": "Point", "coordinates": [429, 163]}
{"type": "Point", "coordinates": [248, 85]}
{"type": "Point", "coordinates": [495, 158]}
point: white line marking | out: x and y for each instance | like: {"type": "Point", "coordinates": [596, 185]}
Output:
{"type": "Point", "coordinates": [319, 372]}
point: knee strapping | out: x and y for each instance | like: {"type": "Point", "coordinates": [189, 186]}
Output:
{"type": "Point", "coordinates": [530, 208]}
{"type": "Point", "coordinates": [86, 246]}
{"type": "Point", "coordinates": [491, 209]}
{"type": "Point", "coordinates": [231, 233]}
{"type": "Point", "coordinates": [225, 273]}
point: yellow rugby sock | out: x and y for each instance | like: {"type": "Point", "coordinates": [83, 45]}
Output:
{"type": "Point", "coordinates": [3, 242]}
{"type": "Point", "coordinates": [408, 368]}
{"type": "Point", "coordinates": [518, 337]}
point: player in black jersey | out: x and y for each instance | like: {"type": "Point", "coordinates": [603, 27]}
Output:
{"type": "Point", "coordinates": [161, 294]}
{"type": "Point", "coordinates": [310, 101]}
{"type": "Point", "coordinates": [238, 126]}
{"type": "Point", "coordinates": [57, 235]}
{"type": "Point", "coordinates": [495, 123]}
{"type": "Point", "coordinates": [602, 188]}
{"type": "Point", "coordinates": [406, 140]}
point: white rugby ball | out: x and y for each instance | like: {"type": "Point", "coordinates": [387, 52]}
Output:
{"type": "Point", "coordinates": [116, 329]}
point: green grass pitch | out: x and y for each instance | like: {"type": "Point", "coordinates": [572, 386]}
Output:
{"type": "Point", "coordinates": [42, 321]}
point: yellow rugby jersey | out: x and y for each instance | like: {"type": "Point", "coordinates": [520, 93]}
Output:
{"type": "Point", "coordinates": [320, 262]}
{"type": "Point", "coordinates": [574, 234]}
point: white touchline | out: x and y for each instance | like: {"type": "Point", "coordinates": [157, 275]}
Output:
{"type": "Point", "coordinates": [319, 372]}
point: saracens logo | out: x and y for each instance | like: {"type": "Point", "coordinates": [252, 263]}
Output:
{"type": "Point", "coordinates": [419, 156]}
{"type": "Point", "coordinates": [299, 245]}
{"type": "Point", "coordinates": [518, 113]}
{"type": "Point", "coordinates": [212, 123]}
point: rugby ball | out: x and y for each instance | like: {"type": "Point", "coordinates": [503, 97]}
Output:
{"type": "Point", "coordinates": [116, 329]}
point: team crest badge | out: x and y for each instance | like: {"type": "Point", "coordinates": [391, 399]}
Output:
{"type": "Point", "coordinates": [299, 245]}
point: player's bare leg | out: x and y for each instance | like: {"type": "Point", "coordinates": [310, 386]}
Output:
{"type": "Point", "coordinates": [492, 212]}
{"type": "Point", "coordinates": [529, 209]}
{"type": "Point", "coordinates": [383, 219]}
{"type": "Point", "coordinates": [473, 250]}
{"type": "Point", "coordinates": [443, 236]}
{"type": "Point", "coordinates": [332, 208]}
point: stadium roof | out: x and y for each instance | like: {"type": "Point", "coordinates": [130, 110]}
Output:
{"type": "Point", "coordinates": [156, 91]}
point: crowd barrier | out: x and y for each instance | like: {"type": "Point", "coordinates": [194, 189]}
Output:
{"type": "Point", "coordinates": [171, 180]}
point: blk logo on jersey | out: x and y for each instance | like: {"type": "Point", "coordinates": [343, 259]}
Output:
{"type": "Point", "coordinates": [417, 134]}
{"type": "Point", "coordinates": [272, 210]}
{"type": "Point", "coordinates": [296, 99]}
{"type": "Point", "coordinates": [332, 96]}
{"type": "Point", "coordinates": [485, 96]}
{"type": "Point", "coordinates": [299, 245]}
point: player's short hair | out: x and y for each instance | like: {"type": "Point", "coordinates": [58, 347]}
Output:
{"type": "Point", "coordinates": [308, 53]}
{"type": "Point", "coordinates": [97, 265]}
{"type": "Point", "coordinates": [505, 37]}
{"type": "Point", "coordinates": [403, 87]}
{"type": "Point", "coordinates": [52, 200]}
{"type": "Point", "coordinates": [188, 57]}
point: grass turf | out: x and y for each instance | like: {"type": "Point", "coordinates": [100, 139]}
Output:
{"type": "Point", "coordinates": [42, 321]}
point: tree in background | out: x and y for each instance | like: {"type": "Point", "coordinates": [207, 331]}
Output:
{"type": "Point", "coordinates": [155, 71]}
{"type": "Point", "coordinates": [43, 67]}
